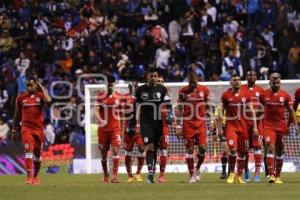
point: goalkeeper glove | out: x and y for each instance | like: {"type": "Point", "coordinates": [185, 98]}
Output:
{"type": "Point", "coordinates": [169, 118]}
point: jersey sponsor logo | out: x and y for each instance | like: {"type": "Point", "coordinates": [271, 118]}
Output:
{"type": "Point", "coordinates": [144, 96]}
{"type": "Point", "coordinates": [38, 99]}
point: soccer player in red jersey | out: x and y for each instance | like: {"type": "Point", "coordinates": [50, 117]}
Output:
{"type": "Point", "coordinates": [236, 102]}
{"type": "Point", "coordinates": [130, 135]}
{"type": "Point", "coordinates": [192, 105]}
{"type": "Point", "coordinates": [255, 143]}
{"type": "Point", "coordinates": [106, 112]}
{"type": "Point", "coordinates": [275, 102]}
{"type": "Point", "coordinates": [164, 141]}
{"type": "Point", "coordinates": [29, 110]}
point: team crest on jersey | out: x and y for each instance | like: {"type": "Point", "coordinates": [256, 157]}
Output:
{"type": "Point", "coordinates": [144, 95]}
{"type": "Point", "coordinates": [281, 99]}
{"type": "Point", "coordinates": [146, 139]}
{"type": "Point", "coordinates": [257, 94]}
{"type": "Point", "coordinates": [244, 100]}
{"type": "Point", "coordinates": [201, 94]}
{"type": "Point", "coordinates": [117, 101]}
{"type": "Point", "coordinates": [236, 94]}
{"type": "Point", "coordinates": [38, 99]}
{"type": "Point", "coordinates": [157, 95]}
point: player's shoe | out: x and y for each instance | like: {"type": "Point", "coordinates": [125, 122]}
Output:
{"type": "Point", "coordinates": [240, 180]}
{"type": "Point", "coordinates": [162, 178]}
{"type": "Point", "coordinates": [28, 180]}
{"type": "Point", "coordinates": [114, 180]}
{"type": "Point", "coordinates": [247, 176]}
{"type": "Point", "coordinates": [256, 178]}
{"type": "Point", "coordinates": [193, 179]}
{"type": "Point", "coordinates": [278, 180]}
{"type": "Point", "coordinates": [35, 181]}
{"type": "Point", "coordinates": [231, 178]}
{"type": "Point", "coordinates": [150, 178]}
{"type": "Point", "coordinates": [223, 176]}
{"type": "Point", "coordinates": [106, 179]}
{"type": "Point", "coordinates": [272, 179]}
{"type": "Point", "coordinates": [138, 178]}
{"type": "Point", "coordinates": [130, 180]}
{"type": "Point", "coordinates": [198, 175]}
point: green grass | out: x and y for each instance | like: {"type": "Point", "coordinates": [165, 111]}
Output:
{"type": "Point", "coordinates": [87, 187]}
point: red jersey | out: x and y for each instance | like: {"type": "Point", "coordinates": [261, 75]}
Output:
{"type": "Point", "coordinates": [235, 107]}
{"type": "Point", "coordinates": [127, 104]}
{"type": "Point", "coordinates": [254, 92]}
{"type": "Point", "coordinates": [32, 106]}
{"type": "Point", "coordinates": [197, 102]}
{"type": "Point", "coordinates": [297, 99]}
{"type": "Point", "coordinates": [109, 109]}
{"type": "Point", "coordinates": [274, 109]}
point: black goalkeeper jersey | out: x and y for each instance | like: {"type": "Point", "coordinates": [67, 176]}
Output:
{"type": "Point", "coordinates": [151, 100]}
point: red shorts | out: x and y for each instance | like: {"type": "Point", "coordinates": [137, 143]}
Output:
{"type": "Point", "coordinates": [194, 135]}
{"type": "Point", "coordinates": [164, 141]}
{"type": "Point", "coordinates": [237, 139]}
{"type": "Point", "coordinates": [274, 137]}
{"type": "Point", "coordinates": [255, 143]}
{"type": "Point", "coordinates": [130, 140]}
{"type": "Point", "coordinates": [107, 138]}
{"type": "Point", "coordinates": [33, 140]}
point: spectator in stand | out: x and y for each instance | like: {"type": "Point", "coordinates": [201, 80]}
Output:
{"type": "Point", "coordinates": [162, 57]}
{"type": "Point", "coordinates": [231, 64]}
{"type": "Point", "coordinates": [294, 61]}
{"type": "Point", "coordinates": [4, 130]}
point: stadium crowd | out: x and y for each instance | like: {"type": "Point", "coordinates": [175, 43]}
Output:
{"type": "Point", "coordinates": [63, 39]}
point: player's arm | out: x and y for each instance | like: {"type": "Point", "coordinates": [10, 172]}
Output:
{"type": "Point", "coordinates": [179, 119]}
{"type": "Point", "coordinates": [253, 118]}
{"type": "Point", "coordinates": [293, 117]}
{"type": "Point", "coordinates": [167, 101]}
{"type": "Point", "coordinates": [97, 116]}
{"type": "Point", "coordinates": [297, 99]}
{"type": "Point", "coordinates": [47, 98]}
{"type": "Point", "coordinates": [16, 119]}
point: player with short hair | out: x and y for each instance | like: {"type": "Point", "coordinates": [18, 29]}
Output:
{"type": "Point", "coordinates": [235, 102]}
{"type": "Point", "coordinates": [131, 136]}
{"type": "Point", "coordinates": [255, 92]}
{"type": "Point", "coordinates": [29, 110]}
{"type": "Point", "coordinates": [192, 105]}
{"type": "Point", "coordinates": [107, 113]}
{"type": "Point", "coordinates": [276, 101]}
{"type": "Point", "coordinates": [164, 142]}
{"type": "Point", "coordinates": [151, 98]}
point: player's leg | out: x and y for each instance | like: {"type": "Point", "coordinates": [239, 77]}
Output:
{"type": "Point", "coordinates": [242, 150]}
{"type": "Point", "coordinates": [163, 146]}
{"type": "Point", "coordinates": [224, 158]}
{"type": "Point", "coordinates": [267, 175]}
{"type": "Point", "coordinates": [189, 134]}
{"type": "Point", "coordinates": [28, 142]}
{"type": "Point", "coordinates": [257, 146]}
{"type": "Point", "coordinates": [103, 146]}
{"type": "Point", "coordinates": [270, 139]}
{"type": "Point", "coordinates": [279, 151]}
{"type": "Point", "coordinates": [231, 139]}
{"type": "Point", "coordinates": [140, 158]}
{"type": "Point", "coordinates": [115, 140]}
{"type": "Point", "coordinates": [39, 142]}
{"type": "Point", "coordinates": [201, 141]}
{"type": "Point", "coordinates": [247, 173]}
{"type": "Point", "coordinates": [128, 146]}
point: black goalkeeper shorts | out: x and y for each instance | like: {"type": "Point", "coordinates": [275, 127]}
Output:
{"type": "Point", "coordinates": [151, 132]}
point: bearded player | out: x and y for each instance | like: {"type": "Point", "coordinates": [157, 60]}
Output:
{"type": "Point", "coordinates": [276, 101]}
{"type": "Point", "coordinates": [107, 113]}
{"type": "Point", "coordinates": [255, 143]}
{"type": "Point", "coordinates": [131, 136]}
{"type": "Point", "coordinates": [192, 105]}
{"type": "Point", "coordinates": [29, 110]}
{"type": "Point", "coordinates": [235, 103]}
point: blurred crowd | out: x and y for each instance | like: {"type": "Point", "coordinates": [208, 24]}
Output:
{"type": "Point", "coordinates": [61, 40]}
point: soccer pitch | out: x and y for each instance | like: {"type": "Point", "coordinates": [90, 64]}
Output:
{"type": "Point", "coordinates": [87, 187]}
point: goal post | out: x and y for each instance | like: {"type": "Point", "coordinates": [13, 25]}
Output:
{"type": "Point", "coordinates": [176, 151]}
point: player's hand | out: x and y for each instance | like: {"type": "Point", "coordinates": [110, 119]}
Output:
{"type": "Point", "coordinates": [14, 135]}
{"type": "Point", "coordinates": [169, 118]}
{"type": "Point", "coordinates": [255, 134]}
{"type": "Point", "coordinates": [138, 128]}
{"type": "Point", "coordinates": [178, 131]}
{"type": "Point", "coordinates": [102, 122]}
{"type": "Point", "coordinates": [296, 129]}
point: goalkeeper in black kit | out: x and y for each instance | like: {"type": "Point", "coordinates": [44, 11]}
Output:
{"type": "Point", "coordinates": [150, 99]}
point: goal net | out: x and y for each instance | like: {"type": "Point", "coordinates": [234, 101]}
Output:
{"type": "Point", "coordinates": [176, 150]}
